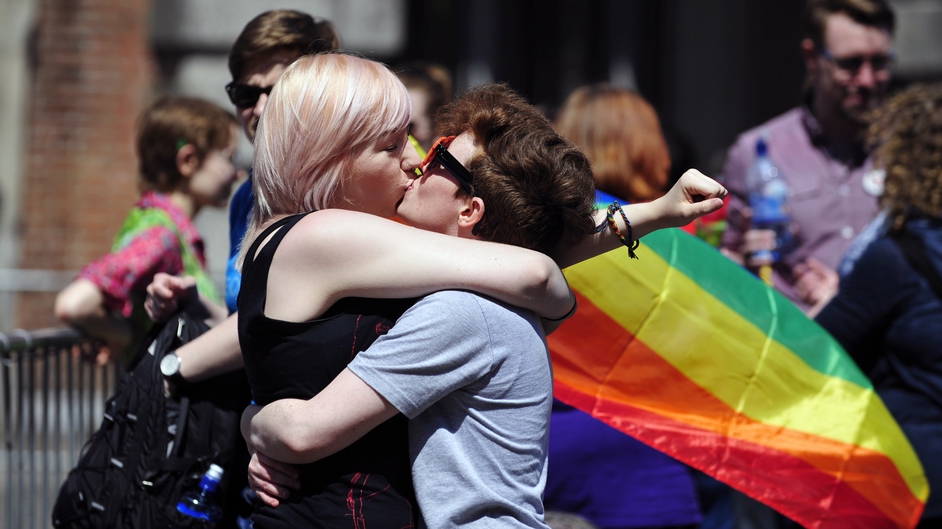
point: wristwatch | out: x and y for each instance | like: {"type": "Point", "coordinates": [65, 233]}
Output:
{"type": "Point", "coordinates": [170, 369]}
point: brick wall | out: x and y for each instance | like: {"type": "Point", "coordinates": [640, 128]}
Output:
{"type": "Point", "coordinates": [92, 76]}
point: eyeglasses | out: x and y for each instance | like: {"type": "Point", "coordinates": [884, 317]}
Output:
{"type": "Point", "coordinates": [244, 95]}
{"type": "Point", "coordinates": [439, 154]}
{"type": "Point", "coordinates": [878, 63]}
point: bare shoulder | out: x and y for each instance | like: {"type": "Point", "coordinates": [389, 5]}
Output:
{"type": "Point", "coordinates": [329, 236]}
{"type": "Point", "coordinates": [339, 228]}
{"type": "Point", "coordinates": [340, 221]}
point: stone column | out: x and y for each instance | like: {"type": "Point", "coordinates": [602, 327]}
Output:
{"type": "Point", "coordinates": [92, 75]}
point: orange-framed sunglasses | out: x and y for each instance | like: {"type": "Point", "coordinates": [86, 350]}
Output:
{"type": "Point", "coordinates": [439, 154]}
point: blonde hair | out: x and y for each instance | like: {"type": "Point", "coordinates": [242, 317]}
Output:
{"type": "Point", "coordinates": [323, 111]}
{"type": "Point", "coordinates": [620, 133]}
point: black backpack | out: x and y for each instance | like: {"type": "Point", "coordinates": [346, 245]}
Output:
{"type": "Point", "coordinates": [150, 448]}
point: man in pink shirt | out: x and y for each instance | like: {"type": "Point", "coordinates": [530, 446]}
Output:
{"type": "Point", "coordinates": [819, 148]}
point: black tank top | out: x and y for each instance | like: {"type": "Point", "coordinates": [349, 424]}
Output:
{"type": "Point", "coordinates": [369, 483]}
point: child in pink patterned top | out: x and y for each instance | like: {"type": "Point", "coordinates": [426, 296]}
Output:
{"type": "Point", "coordinates": [186, 148]}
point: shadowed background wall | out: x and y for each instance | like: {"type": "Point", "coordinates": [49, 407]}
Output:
{"type": "Point", "coordinates": [76, 73]}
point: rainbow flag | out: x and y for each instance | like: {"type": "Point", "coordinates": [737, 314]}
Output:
{"type": "Point", "coordinates": [687, 352]}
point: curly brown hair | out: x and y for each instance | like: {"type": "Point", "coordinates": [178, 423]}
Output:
{"type": "Point", "coordinates": [536, 186]}
{"type": "Point", "coordinates": [907, 135]}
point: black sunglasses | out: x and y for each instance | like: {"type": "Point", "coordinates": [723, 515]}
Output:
{"type": "Point", "coordinates": [244, 95]}
{"type": "Point", "coordinates": [439, 153]}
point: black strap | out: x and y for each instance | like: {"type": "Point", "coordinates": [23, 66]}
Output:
{"type": "Point", "coordinates": [255, 269]}
{"type": "Point", "coordinates": [250, 257]}
{"type": "Point", "coordinates": [915, 254]}
{"type": "Point", "coordinates": [180, 430]}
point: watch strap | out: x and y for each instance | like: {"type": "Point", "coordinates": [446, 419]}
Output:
{"type": "Point", "coordinates": [176, 379]}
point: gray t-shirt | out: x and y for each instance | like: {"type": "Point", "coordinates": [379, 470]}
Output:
{"type": "Point", "coordinates": [474, 377]}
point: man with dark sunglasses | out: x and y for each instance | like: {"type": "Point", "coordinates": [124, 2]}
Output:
{"type": "Point", "coordinates": [268, 44]}
{"type": "Point", "coordinates": [818, 147]}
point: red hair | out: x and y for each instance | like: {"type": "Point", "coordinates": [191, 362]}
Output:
{"type": "Point", "coordinates": [620, 133]}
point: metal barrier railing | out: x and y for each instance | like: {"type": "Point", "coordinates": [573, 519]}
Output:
{"type": "Point", "coordinates": [53, 400]}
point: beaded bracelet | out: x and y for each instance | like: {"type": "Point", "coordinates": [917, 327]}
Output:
{"type": "Point", "coordinates": [609, 221]}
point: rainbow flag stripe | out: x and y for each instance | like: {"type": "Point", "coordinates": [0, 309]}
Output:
{"type": "Point", "coordinates": [689, 353]}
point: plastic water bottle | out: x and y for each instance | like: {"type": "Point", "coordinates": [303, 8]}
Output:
{"type": "Point", "coordinates": [201, 504]}
{"type": "Point", "coordinates": [768, 198]}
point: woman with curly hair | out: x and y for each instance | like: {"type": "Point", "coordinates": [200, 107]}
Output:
{"type": "Point", "coordinates": [888, 311]}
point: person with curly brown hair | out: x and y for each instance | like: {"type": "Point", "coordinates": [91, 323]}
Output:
{"type": "Point", "coordinates": [888, 311]}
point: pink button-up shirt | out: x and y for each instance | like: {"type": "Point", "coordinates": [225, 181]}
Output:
{"type": "Point", "coordinates": [829, 200]}
{"type": "Point", "coordinates": [129, 269]}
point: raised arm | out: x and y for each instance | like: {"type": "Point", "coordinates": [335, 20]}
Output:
{"type": "Point", "coordinates": [344, 254]}
{"type": "Point", "coordinates": [333, 254]}
{"type": "Point", "coordinates": [694, 195]}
